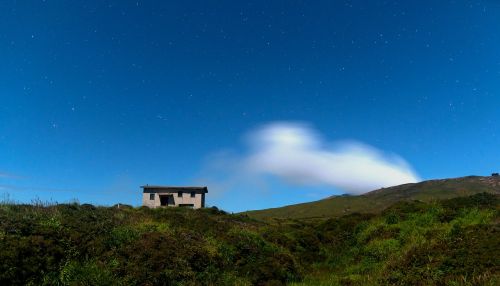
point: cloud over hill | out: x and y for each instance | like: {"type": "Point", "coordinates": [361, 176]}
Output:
{"type": "Point", "coordinates": [296, 153]}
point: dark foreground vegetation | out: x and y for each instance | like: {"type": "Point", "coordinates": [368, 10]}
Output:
{"type": "Point", "coordinates": [452, 242]}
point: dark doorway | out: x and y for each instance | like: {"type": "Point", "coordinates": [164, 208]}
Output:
{"type": "Point", "coordinates": [166, 200]}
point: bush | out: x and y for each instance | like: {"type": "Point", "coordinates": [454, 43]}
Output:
{"type": "Point", "coordinates": [454, 242]}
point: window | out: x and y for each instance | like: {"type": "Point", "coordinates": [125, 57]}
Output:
{"type": "Point", "coordinates": [152, 197]}
{"type": "Point", "coordinates": [193, 194]}
{"type": "Point", "coordinates": [191, 206]}
{"type": "Point", "coordinates": [179, 194]}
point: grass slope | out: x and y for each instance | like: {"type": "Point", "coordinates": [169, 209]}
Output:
{"type": "Point", "coordinates": [452, 242]}
{"type": "Point", "coordinates": [376, 201]}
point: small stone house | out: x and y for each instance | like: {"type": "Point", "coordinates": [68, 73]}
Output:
{"type": "Point", "coordinates": [168, 196]}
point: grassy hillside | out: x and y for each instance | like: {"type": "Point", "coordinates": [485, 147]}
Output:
{"type": "Point", "coordinates": [454, 242]}
{"type": "Point", "coordinates": [378, 200]}
{"type": "Point", "coordinates": [86, 245]}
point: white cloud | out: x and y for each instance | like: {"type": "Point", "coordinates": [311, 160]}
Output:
{"type": "Point", "coordinates": [296, 153]}
{"type": "Point", "coordinates": [6, 175]}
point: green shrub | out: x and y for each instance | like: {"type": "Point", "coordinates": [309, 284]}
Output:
{"type": "Point", "coordinates": [122, 235]}
{"type": "Point", "coordinates": [381, 249]}
{"type": "Point", "coordinates": [86, 273]}
{"type": "Point", "coordinates": [454, 242]}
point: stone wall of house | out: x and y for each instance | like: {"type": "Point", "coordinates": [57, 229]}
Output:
{"type": "Point", "coordinates": [150, 203]}
{"type": "Point", "coordinates": [186, 198]}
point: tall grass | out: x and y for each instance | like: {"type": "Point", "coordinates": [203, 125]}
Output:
{"type": "Point", "coordinates": [453, 242]}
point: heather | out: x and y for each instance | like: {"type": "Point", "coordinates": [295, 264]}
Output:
{"type": "Point", "coordinates": [449, 242]}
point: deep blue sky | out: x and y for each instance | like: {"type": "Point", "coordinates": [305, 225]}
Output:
{"type": "Point", "coordinates": [99, 97]}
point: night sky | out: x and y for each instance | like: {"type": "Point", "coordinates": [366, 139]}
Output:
{"type": "Point", "coordinates": [100, 97]}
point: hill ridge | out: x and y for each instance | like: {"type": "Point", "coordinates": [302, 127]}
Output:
{"type": "Point", "coordinates": [377, 200]}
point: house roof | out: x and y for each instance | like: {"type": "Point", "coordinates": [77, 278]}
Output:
{"type": "Point", "coordinates": [175, 188]}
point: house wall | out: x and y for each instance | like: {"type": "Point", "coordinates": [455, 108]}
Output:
{"type": "Point", "coordinates": [149, 203]}
{"type": "Point", "coordinates": [187, 199]}
{"type": "Point", "coordinates": [197, 201]}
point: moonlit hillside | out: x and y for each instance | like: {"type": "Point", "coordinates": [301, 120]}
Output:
{"type": "Point", "coordinates": [268, 143]}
